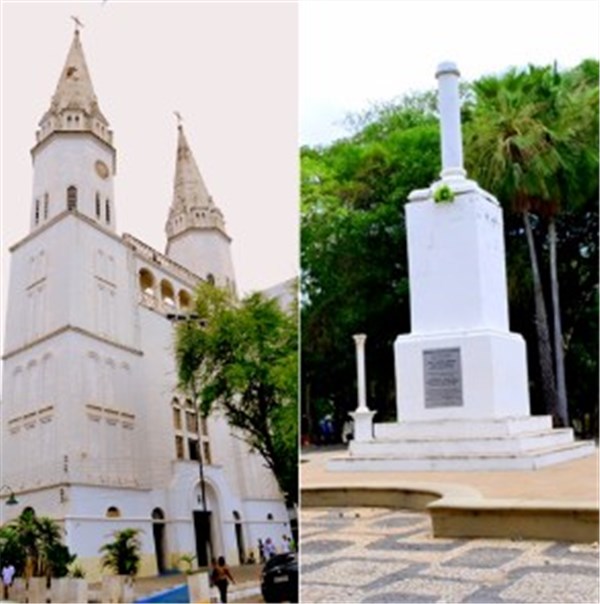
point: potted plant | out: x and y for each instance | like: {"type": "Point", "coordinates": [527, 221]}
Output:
{"type": "Point", "coordinates": [122, 557]}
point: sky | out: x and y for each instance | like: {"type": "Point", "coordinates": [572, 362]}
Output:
{"type": "Point", "coordinates": [231, 72]}
{"type": "Point", "coordinates": [355, 53]}
{"type": "Point", "coordinates": [253, 81]}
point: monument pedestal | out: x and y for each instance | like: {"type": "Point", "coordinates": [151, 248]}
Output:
{"type": "Point", "coordinates": [363, 425]}
{"type": "Point", "coordinates": [469, 375]}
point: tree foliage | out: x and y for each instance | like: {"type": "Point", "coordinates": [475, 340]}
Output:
{"type": "Point", "coordinates": [34, 546]}
{"type": "Point", "coordinates": [242, 358]}
{"type": "Point", "coordinates": [122, 554]}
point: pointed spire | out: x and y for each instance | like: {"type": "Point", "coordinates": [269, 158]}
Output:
{"type": "Point", "coordinates": [74, 105]}
{"type": "Point", "coordinates": [192, 206]}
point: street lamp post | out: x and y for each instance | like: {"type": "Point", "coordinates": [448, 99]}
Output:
{"type": "Point", "coordinates": [178, 318]}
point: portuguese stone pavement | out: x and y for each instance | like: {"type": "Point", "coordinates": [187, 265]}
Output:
{"type": "Point", "coordinates": [379, 555]}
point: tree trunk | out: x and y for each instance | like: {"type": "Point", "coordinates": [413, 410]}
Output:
{"type": "Point", "coordinates": [559, 363]}
{"type": "Point", "coordinates": [543, 333]}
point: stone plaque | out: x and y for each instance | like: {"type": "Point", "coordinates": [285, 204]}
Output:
{"type": "Point", "coordinates": [443, 378]}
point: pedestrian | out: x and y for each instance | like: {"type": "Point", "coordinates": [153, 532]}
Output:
{"type": "Point", "coordinates": [270, 549]}
{"type": "Point", "coordinates": [221, 575]}
{"type": "Point", "coordinates": [261, 551]}
{"type": "Point", "coordinates": [8, 572]}
{"type": "Point", "coordinates": [285, 546]}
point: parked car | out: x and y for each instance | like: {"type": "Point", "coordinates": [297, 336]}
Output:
{"type": "Point", "coordinates": [279, 578]}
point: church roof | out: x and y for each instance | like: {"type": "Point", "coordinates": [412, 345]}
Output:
{"type": "Point", "coordinates": [192, 205]}
{"type": "Point", "coordinates": [74, 105]}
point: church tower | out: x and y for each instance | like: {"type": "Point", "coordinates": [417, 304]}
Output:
{"type": "Point", "coordinates": [71, 347]}
{"type": "Point", "coordinates": [74, 161]}
{"type": "Point", "coordinates": [196, 235]}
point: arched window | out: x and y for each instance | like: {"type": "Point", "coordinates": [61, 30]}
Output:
{"type": "Point", "coordinates": [46, 205]}
{"type": "Point", "coordinates": [71, 198]}
{"type": "Point", "coordinates": [113, 512]}
{"type": "Point", "coordinates": [146, 279]}
{"type": "Point", "coordinates": [210, 278]}
{"type": "Point", "coordinates": [37, 211]}
{"type": "Point", "coordinates": [98, 210]}
{"type": "Point", "coordinates": [107, 209]}
{"type": "Point", "coordinates": [185, 300]}
{"type": "Point", "coordinates": [167, 293]}
{"type": "Point", "coordinates": [269, 516]}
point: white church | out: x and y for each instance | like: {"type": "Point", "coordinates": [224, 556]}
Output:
{"type": "Point", "coordinates": [94, 431]}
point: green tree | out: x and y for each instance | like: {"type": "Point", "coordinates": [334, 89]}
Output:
{"type": "Point", "coordinates": [122, 554]}
{"type": "Point", "coordinates": [530, 142]}
{"type": "Point", "coordinates": [242, 358]}
{"type": "Point", "coordinates": [353, 253]}
{"type": "Point", "coordinates": [34, 544]}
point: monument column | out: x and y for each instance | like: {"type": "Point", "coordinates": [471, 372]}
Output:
{"type": "Point", "coordinates": [363, 418]}
{"type": "Point", "coordinates": [449, 107]}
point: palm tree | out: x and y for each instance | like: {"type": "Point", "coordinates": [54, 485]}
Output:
{"type": "Point", "coordinates": [122, 555]}
{"type": "Point", "coordinates": [573, 113]}
{"type": "Point", "coordinates": [535, 134]}
{"type": "Point", "coordinates": [39, 540]}
{"type": "Point", "coordinates": [514, 159]}
{"type": "Point", "coordinates": [52, 554]}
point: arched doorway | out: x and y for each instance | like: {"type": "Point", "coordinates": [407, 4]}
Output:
{"type": "Point", "coordinates": [203, 521]}
{"type": "Point", "coordinates": [239, 537]}
{"type": "Point", "coordinates": [158, 532]}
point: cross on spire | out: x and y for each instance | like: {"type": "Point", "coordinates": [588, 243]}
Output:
{"type": "Point", "coordinates": [78, 23]}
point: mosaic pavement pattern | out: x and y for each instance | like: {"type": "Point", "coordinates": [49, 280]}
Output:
{"type": "Point", "coordinates": [379, 555]}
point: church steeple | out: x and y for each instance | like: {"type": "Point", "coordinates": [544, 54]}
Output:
{"type": "Point", "coordinates": [74, 161]}
{"type": "Point", "coordinates": [192, 206]}
{"type": "Point", "coordinates": [196, 235]}
{"type": "Point", "coordinates": [74, 105]}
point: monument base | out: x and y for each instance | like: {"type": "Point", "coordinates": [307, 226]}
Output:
{"type": "Point", "coordinates": [461, 375]}
{"type": "Point", "coordinates": [512, 443]}
{"type": "Point", "coordinates": [363, 425]}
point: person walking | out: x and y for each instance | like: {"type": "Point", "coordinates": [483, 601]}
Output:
{"type": "Point", "coordinates": [8, 572]}
{"type": "Point", "coordinates": [270, 549]}
{"type": "Point", "coordinates": [221, 575]}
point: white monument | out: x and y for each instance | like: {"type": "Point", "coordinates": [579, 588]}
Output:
{"type": "Point", "coordinates": [461, 375]}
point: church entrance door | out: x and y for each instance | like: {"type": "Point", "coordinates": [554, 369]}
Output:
{"type": "Point", "coordinates": [202, 532]}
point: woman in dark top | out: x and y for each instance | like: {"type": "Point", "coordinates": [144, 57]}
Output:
{"type": "Point", "coordinates": [221, 576]}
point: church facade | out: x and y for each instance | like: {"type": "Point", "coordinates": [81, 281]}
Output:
{"type": "Point", "coordinates": [95, 433]}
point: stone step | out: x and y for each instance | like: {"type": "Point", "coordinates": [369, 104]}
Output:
{"type": "Point", "coordinates": [463, 462]}
{"type": "Point", "coordinates": [458, 445]}
{"type": "Point", "coordinates": [453, 428]}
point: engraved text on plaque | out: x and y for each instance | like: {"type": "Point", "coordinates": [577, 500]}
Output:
{"type": "Point", "coordinates": [443, 378]}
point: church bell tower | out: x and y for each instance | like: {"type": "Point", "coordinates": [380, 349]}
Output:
{"type": "Point", "coordinates": [74, 160]}
{"type": "Point", "coordinates": [196, 235]}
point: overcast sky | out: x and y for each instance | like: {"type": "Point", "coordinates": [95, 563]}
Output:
{"type": "Point", "coordinates": [354, 53]}
{"type": "Point", "coordinates": [252, 81]}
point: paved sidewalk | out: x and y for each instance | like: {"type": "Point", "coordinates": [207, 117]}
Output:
{"type": "Point", "coordinates": [573, 480]}
{"type": "Point", "coordinates": [379, 555]}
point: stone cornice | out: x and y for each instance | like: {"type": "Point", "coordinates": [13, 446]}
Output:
{"type": "Point", "coordinates": [58, 218]}
{"type": "Point", "coordinates": [70, 329]}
